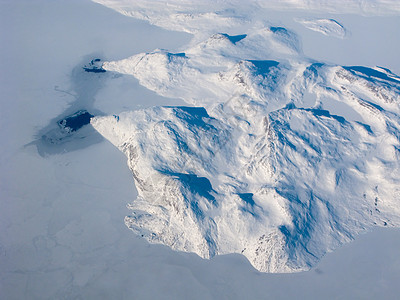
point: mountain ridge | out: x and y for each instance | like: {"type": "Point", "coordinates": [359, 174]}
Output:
{"type": "Point", "coordinates": [258, 166]}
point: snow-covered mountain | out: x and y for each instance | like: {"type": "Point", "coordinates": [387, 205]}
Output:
{"type": "Point", "coordinates": [278, 157]}
{"type": "Point", "coordinates": [64, 188]}
{"type": "Point", "coordinates": [207, 15]}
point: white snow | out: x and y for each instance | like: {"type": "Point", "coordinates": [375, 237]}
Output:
{"type": "Point", "coordinates": [260, 167]}
{"type": "Point", "coordinates": [62, 233]}
{"type": "Point", "coordinates": [208, 15]}
{"type": "Point", "coordinates": [328, 27]}
{"type": "Point", "coordinates": [263, 169]}
{"type": "Point", "coordinates": [370, 7]}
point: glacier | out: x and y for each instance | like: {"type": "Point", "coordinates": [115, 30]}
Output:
{"type": "Point", "coordinates": [277, 156]}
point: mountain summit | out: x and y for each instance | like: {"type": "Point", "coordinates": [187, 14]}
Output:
{"type": "Point", "coordinates": [278, 157]}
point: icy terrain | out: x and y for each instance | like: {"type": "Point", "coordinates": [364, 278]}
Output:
{"type": "Point", "coordinates": [200, 16]}
{"type": "Point", "coordinates": [325, 26]}
{"type": "Point", "coordinates": [64, 188]}
{"type": "Point", "coordinates": [279, 157]}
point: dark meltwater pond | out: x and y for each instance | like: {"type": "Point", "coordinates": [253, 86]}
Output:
{"type": "Point", "coordinates": [95, 66]}
{"type": "Point", "coordinates": [68, 131]}
{"type": "Point", "coordinates": [75, 121]}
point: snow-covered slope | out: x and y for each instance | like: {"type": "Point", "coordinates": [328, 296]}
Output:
{"type": "Point", "coordinates": [258, 165]}
{"type": "Point", "coordinates": [207, 15]}
{"type": "Point", "coordinates": [62, 213]}
{"type": "Point", "coordinates": [325, 26]}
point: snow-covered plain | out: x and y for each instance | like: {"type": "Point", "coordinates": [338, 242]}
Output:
{"type": "Point", "coordinates": [62, 231]}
